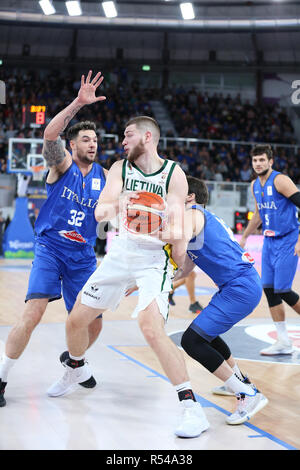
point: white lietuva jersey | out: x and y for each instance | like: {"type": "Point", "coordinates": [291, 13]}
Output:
{"type": "Point", "coordinates": [135, 179]}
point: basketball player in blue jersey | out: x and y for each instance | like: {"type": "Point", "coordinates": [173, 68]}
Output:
{"type": "Point", "coordinates": [276, 202]}
{"type": "Point", "coordinates": [215, 251]}
{"type": "Point", "coordinates": [65, 228]}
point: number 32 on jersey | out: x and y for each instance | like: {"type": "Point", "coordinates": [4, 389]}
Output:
{"type": "Point", "coordinates": [76, 218]}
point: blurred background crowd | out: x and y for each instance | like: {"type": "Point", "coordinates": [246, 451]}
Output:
{"type": "Point", "coordinates": [213, 118]}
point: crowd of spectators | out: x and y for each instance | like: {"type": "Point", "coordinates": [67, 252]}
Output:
{"type": "Point", "coordinates": [194, 115]}
{"type": "Point", "coordinates": [218, 117]}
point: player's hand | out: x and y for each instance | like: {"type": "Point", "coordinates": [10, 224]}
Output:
{"type": "Point", "coordinates": [297, 249]}
{"type": "Point", "coordinates": [87, 91]}
{"type": "Point", "coordinates": [126, 197]}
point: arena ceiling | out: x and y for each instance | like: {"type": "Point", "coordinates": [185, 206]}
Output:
{"type": "Point", "coordinates": [248, 32]}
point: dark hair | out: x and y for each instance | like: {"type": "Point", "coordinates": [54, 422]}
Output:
{"type": "Point", "coordinates": [73, 131]}
{"type": "Point", "coordinates": [144, 122]}
{"type": "Point", "coordinates": [199, 188]}
{"type": "Point", "coordinates": [261, 149]}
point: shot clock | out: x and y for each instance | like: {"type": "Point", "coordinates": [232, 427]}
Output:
{"type": "Point", "coordinates": [33, 115]}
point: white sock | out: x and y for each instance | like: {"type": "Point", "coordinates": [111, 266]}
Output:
{"type": "Point", "coordinates": [183, 386]}
{"type": "Point", "coordinates": [76, 358]}
{"type": "Point", "coordinates": [237, 371]}
{"type": "Point", "coordinates": [282, 333]}
{"type": "Point", "coordinates": [6, 364]}
{"type": "Point", "coordinates": [238, 387]}
{"type": "Point", "coordinates": [187, 402]}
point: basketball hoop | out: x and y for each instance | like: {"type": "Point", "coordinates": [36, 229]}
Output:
{"type": "Point", "coordinates": [38, 172]}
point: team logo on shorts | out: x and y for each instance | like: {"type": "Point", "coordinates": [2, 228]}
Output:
{"type": "Point", "coordinates": [94, 288]}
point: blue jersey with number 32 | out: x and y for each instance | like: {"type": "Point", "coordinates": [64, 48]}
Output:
{"type": "Point", "coordinates": [216, 251]}
{"type": "Point", "coordinates": [66, 221]}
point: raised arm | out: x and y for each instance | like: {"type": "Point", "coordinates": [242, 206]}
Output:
{"type": "Point", "coordinates": [59, 159]}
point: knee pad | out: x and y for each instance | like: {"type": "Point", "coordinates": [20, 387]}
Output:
{"type": "Point", "coordinates": [272, 298]}
{"type": "Point", "coordinates": [291, 298]}
{"type": "Point", "coordinates": [201, 350]}
{"type": "Point", "coordinates": [219, 345]}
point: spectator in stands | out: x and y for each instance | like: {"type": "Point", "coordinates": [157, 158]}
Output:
{"type": "Point", "coordinates": [194, 114]}
{"type": "Point", "coordinates": [246, 172]}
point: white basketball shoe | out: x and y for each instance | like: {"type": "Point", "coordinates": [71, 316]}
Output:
{"type": "Point", "coordinates": [280, 347]}
{"type": "Point", "coordinates": [70, 378]}
{"type": "Point", "coordinates": [227, 391]}
{"type": "Point", "coordinates": [247, 406]}
{"type": "Point", "coordinates": [192, 421]}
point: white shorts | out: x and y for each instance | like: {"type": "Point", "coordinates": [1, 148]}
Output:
{"type": "Point", "coordinates": [124, 266]}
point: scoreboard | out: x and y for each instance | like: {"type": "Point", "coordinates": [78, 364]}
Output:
{"type": "Point", "coordinates": [33, 115]}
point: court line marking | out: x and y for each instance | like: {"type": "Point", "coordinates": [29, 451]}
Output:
{"type": "Point", "coordinates": [204, 402]}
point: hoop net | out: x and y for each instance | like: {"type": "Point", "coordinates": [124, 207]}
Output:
{"type": "Point", "coordinates": [38, 172]}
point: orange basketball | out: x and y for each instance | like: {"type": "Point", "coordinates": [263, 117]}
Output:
{"type": "Point", "coordinates": [145, 215]}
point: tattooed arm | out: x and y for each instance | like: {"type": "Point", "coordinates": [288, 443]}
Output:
{"type": "Point", "coordinates": [59, 159]}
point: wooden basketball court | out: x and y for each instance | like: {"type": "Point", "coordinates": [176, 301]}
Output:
{"type": "Point", "coordinates": [134, 406]}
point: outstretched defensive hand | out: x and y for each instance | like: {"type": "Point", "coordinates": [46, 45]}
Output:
{"type": "Point", "coordinates": [87, 91]}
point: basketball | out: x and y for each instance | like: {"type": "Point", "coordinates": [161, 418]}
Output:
{"type": "Point", "coordinates": [145, 215]}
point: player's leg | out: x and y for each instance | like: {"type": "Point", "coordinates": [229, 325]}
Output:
{"type": "Point", "coordinates": [292, 299]}
{"type": "Point", "coordinates": [284, 265]}
{"type": "Point", "coordinates": [74, 278]}
{"type": "Point", "coordinates": [176, 284]}
{"type": "Point", "coordinates": [18, 339]}
{"type": "Point", "coordinates": [44, 285]}
{"type": "Point", "coordinates": [152, 323]}
{"type": "Point", "coordinates": [154, 284]}
{"type": "Point", "coordinates": [77, 332]}
{"type": "Point", "coordinates": [102, 291]}
{"type": "Point", "coordinates": [190, 284]}
{"type": "Point", "coordinates": [219, 345]}
{"type": "Point", "coordinates": [94, 330]}
{"type": "Point", "coordinates": [192, 420]}
{"type": "Point", "coordinates": [20, 334]}
{"type": "Point", "coordinates": [200, 341]}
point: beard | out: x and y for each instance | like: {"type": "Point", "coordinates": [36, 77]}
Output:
{"type": "Point", "coordinates": [136, 152]}
{"type": "Point", "coordinates": [86, 158]}
{"type": "Point", "coordinates": [262, 173]}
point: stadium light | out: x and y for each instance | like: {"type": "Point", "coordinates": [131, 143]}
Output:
{"type": "Point", "coordinates": [187, 11]}
{"type": "Point", "coordinates": [74, 8]}
{"type": "Point", "coordinates": [109, 9]}
{"type": "Point", "coordinates": [47, 7]}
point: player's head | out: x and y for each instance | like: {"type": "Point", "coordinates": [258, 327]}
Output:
{"type": "Point", "coordinates": [262, 159]}
{"type": "Point", "coordinates": [83, 141]}
{"type": "Point", "coordinates": [197, 191]}
{"type": "Point", "coordinates": [140, 133]}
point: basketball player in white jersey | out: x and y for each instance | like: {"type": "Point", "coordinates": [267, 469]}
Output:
{"type": "Point", "coordinates": [141, 260]}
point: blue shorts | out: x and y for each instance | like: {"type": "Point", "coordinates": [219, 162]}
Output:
{"type": "Point", "coordinates": [52, 277]}
{"type": "Point", "coordinates": [234, 301]}
{"type": "Point", "coordinates": [278, 263]}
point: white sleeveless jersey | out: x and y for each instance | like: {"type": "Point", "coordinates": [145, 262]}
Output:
{"type": "Point", "coordinates": [135, 179]}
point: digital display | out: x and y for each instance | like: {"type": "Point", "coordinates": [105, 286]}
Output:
{"type": "Point", "coordinates": [37, 109]}
{"type": "Point", "coordinates": [33, 115]}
